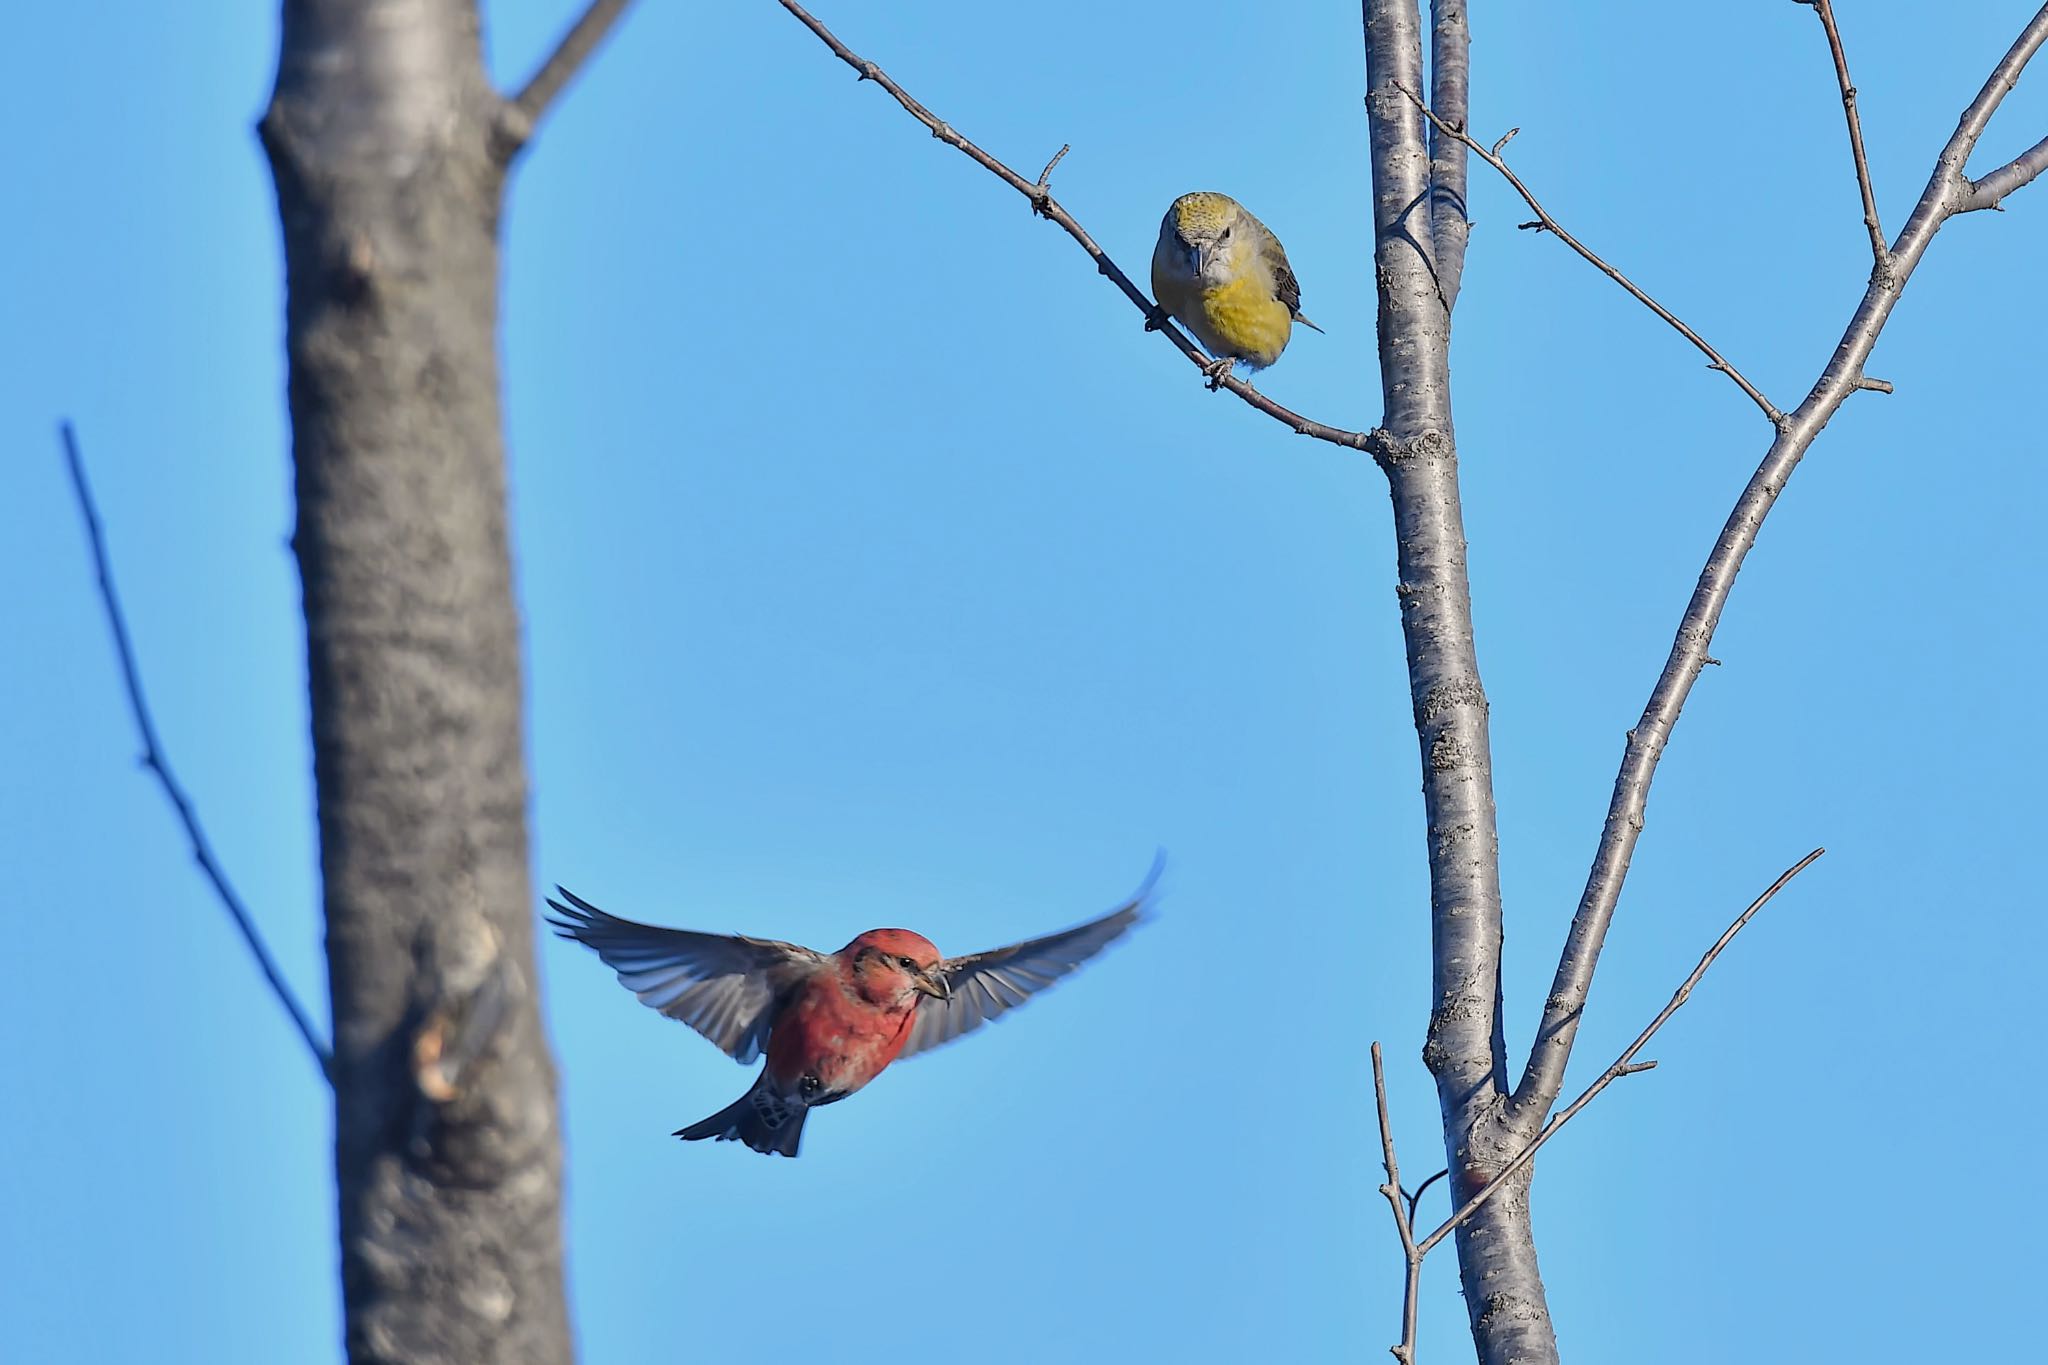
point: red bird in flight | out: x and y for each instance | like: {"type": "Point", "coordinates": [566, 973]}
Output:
{"type": "Point", "coordinates": [829, 1023]}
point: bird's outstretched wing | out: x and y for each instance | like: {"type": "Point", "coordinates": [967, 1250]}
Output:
{"type": "Point", "coordinates": [723, 986]}
{"type": "Point", "coordinates": [986, 984]}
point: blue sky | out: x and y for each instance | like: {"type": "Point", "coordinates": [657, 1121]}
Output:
{"type": "Point", "coordinates": [878, 568]}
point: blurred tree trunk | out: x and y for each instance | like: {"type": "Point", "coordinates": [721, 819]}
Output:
{"type": "Point", "coordinates": [390, 152]}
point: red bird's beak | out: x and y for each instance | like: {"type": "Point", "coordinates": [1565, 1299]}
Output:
{"type": "Point", "coordinates": [934, 984]}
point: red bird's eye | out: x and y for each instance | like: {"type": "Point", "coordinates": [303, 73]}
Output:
{"type": "Point", "coordinates": [908, 965]}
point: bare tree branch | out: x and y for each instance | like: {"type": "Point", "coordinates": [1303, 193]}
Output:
{"type": "Point", "coordinates": [1403, 1207]}
{"type": "Point", "coordinates": [1042, 203]}
{"type": "Point", "coordinates": [1948, 192]}
{"type": "Point", "coordinates": [1996, 87]}
{"type": "Point", "coordinates": [1715, 360]}
{"type": "Point", "coordinates": [158, 763]}
{"type": "Point", "coordinates": [1624, 1065]}
{"type": "Point", "coordinates": [1826, 10]}
{"type": "Point", "coordinates": [523, 112]}
{"type": "Point", "coordinates": [1987, 192]}
{"type": "Point", "coordinates": [1450, 80]}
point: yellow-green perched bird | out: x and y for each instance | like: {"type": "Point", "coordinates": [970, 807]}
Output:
{"type": "Point", "coordinates": [1225, 278]}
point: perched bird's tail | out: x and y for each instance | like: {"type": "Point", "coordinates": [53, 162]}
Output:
{"type": "Point", "coordinates": [1304, 322]}
{"type": "Point", "coordinates": [761, 1118]}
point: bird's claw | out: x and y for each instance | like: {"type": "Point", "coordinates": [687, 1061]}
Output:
{"type": "Point", "coordinates": [1218, 371]}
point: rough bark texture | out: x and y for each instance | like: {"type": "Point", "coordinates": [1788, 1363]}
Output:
{"type": "Point", "coordinates": [386, 143]}
{"type": "Point", "coordinates": [1464, 1051]}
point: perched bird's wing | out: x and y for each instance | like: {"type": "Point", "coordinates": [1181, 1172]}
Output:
{"type": "Point", "coordinates": [985, 984]}
{"type": "Point", "coordinates": [1286, 288]}
{"type": "Point", "coordinates": [724, 986]}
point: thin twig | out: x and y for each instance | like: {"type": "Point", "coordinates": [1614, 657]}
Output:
{"type": "Point", "coordinates": [1715, 360]}
{"type": "Point", "coordinates": [523, 112]}
{"type": "Point", "coordinates": [1045, 176]}
{"type": "Point", "coordinates": [1624, 1065]}
{"type": "Point", "coordinates": [1948, 192]}
{"type": "Point", "coordinates": [1415, 1199]}
{"type": "Point", "coordinates": [1044, 204]}
{"type": "Point", "coordinates": [1826, 10]}
{"type": "Point", "coordinates": [157, 762]}
{"type": "Point", "coordinates": [1402, 1206]}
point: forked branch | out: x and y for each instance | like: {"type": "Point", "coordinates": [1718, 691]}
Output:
{"type": "Point", "coordinates": [1989, 192]}
{"type": "Point", "coordinates": [1412, 1251]}
{"type": "Point", "coordinates": [1624, 1065]}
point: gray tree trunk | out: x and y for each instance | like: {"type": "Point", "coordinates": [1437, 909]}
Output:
{"type": "Point", "coordinates": [390, 152]}
{"type": "Point", "coordinates": [1419, 236]}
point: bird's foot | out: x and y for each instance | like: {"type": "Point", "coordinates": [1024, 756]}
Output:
{"type": "Point", "coordinates": [1218, 371]}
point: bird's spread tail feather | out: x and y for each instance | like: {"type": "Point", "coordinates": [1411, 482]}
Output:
{"type": "Point", "coordinates": [761, 1118]}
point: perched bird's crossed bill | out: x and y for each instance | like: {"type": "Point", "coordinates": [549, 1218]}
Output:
{"type": "Point", "coordinates": [1225, 278]}
{"type": "Point", "coordinates": [828, 1022]}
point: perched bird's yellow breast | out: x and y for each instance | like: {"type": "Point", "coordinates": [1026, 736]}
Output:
{"type": "Point", "coordinates": [1244, 320]}
{"type": "Point", "coordinates": [1226, 279]}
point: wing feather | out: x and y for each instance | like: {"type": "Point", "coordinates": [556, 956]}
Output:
{"type": "Point", "coordinates": [1287, 288]}
{"type": "Point", "coordinates": [985, 985]}
{"type": "Point", "coordinates": [725, 986]}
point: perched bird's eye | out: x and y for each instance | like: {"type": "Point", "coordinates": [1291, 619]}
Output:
{"type": "Point", "coordinates": [1224, 235]}
{"type": "Point", "coordinates": [908, 965]}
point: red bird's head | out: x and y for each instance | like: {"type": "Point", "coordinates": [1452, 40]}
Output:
{"type": "Point", "coordinates": [891, 967]}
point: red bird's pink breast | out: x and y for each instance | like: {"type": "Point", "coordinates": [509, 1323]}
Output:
{"type": "Point", "coordinates": [830, 1033]}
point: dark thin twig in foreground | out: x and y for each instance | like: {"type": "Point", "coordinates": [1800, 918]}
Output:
{"type": "Point", "coordinates": [1044, 204]}
{"type": "Point", "coordinates": [154, 759]}
{"type": "Point", "coordinates": [1624, 1065]}
{"type": "Point", "coordinates": [1715, 360]}
{"type": "Point", "coordinates": [1879, 254]}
